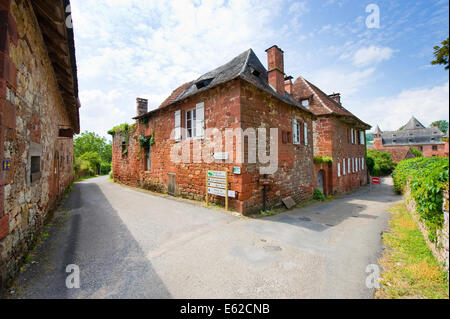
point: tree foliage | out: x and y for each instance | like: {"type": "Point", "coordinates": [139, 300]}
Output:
{"type": "Point", "coordinates": [379, 163]}
{"type": "Point", "coordinates": [441, 54]}
{"type": "Point", "coordinates": [442, 124]}
{"type": "Point", "coordinates": [93, 154]}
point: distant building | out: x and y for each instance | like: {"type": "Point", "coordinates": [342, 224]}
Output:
{"type": "Point", "coordinates": [413, 134]}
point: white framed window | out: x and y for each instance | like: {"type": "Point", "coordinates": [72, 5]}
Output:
{"type": "Point", "coordinates": [343, 167]}
{"type": "Point", "coordinates": [295, 132]}
{"type": "Point", "coordinates": [148, 158]}
{"type": "Point", "coordinates": [177, 136]}
{"type": "Point", "coordinates": [362, 137]}
{"type": "Point", "coordinates": [191, 117]}
{"type": "Point", "coordinates": [195, 122]}
{"type": "Point", "coordinates": [349, 167]}
{"type": "Point", "coordinates": [305, 127]}
{"type": "Point", "coordinates": [354, 165]}
{"type": "Point", "coordinates": [352, 136]}
{"type": "Point", "coordinates": [339, 169]}
{"type": "Point", "coordinates": [362, 163]}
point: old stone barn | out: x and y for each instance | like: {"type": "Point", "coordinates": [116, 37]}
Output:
{"type": "Point", "coordinates": [38, 117]}
{"type": "Point", "coordinates": [243, 95]}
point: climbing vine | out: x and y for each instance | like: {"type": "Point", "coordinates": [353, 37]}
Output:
{"type": "Point", "coordinates": [427, 178]}
{"type": "Point", "coordinates": [146, 141]}
{"type": "Point", "coordinates": [322, 159]}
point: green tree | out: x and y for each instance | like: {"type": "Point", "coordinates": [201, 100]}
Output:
{"type": "Point", "coordinates": [442, 124]}
{"type": "Point", "coordinates": [416, 152]}
{"type": "Point", "coordinates": [93, 154]}
{"type": "Point", "coordinates": [379, 163]}
{"type": "Point", "coordinates": [441, 54]}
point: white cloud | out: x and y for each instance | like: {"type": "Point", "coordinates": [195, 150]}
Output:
{"type": "Point", "coordinates": [346, 82]}
{"type": "Point", "coordinates": [298, 8]}
{"type": "Point", "coordinates": [426, 104]}
{"type": "Point", "coordinates": [131, 48]}
{"type": "Point", "coordinates": [372, 55]}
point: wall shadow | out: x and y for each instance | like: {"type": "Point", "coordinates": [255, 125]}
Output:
{"type": "Point", "coordinates": [88, 232]}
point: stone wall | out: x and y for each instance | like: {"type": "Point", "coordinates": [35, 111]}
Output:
{"type": "Point", "coordinates": [231, 105]}
{"type": "Point", "coordinates": [440, 248]}
{"type": "Point", "coordinates": [31, 113]}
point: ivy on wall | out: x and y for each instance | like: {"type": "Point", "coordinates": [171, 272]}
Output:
{"type": "Point", "coordinates": [427, 177]}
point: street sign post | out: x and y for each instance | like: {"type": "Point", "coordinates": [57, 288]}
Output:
{"type": "Point", "coordinates": [217, 184]}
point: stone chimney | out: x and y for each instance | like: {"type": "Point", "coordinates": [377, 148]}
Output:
{"type": "Point", "coordinates": [336, 97]}
{"type": "Point", "coordinates": [288, 85]}
{"type": "Point", "coordinates": [275, 62]}
{"type": "Point", "coordinates": [141, 106]}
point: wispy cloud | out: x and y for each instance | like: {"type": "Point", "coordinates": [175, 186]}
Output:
{"type": "Point", "coordinates": [372, 55]}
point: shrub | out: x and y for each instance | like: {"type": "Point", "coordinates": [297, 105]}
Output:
{"type": "Point", "coordinates": [318, 195]}
{"type": "Point", "coordinates": [427, 178]}
{"type": "Point", "coordinates": [379, 163]}
{"type": "Point", "coordinates": [416, 152]}
{"type": "Point", "coordinates": [322, 159]}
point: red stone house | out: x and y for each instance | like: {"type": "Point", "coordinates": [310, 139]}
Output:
{"type": "Point", "coordinates": [413, 134]}
{"type": "Point", "coordinates": [338, 134]}
{"type": "Point", "coordinates": [241, 94]}
{"type": "Point", "coordinates": [38, 117]}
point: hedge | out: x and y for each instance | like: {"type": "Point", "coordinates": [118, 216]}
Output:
{"type": "Point", "coordinates": [379, 163]}
{"type": "Point", "coordinates": [428, 176]}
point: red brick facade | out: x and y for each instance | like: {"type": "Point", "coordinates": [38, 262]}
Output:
{"type": "Point", "coordinates": [235, 104]}
{"type": "Point", "coordinates": [337, 134]}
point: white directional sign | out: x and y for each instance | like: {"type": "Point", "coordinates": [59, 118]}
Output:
{"type": "Point", "coordinates": [217, 174]}
{"type": "Point", "coordinates": [216, 180]}
{"type": "Point", "coordinates": [217, 191]}
{"type": "Point", "coordinates": [216, 185]}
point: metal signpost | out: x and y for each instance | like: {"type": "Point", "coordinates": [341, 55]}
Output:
{"type": "Point", "coordinates": [217, 184]}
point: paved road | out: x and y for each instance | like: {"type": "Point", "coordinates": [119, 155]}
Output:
{"type": "Point", "coordinates": [132, 244]}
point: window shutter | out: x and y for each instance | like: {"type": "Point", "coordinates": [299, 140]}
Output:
{"type": "Point", "coordinates": [295, 131]}
{"type": "Point", "coordinates": [343, 167]}
{"type": "Point", "coordinates": [362, 163]}
{"type": "Point", "coordinates": [178, 125]}
{"type": "Point", "coordinates": [339, 169]}
{"type": "Point", "coordinates": [349, 168]}
{"type": "Point", "coordinates": [200, 121]}
{"type": "Point", "coordinates": [305, 128]}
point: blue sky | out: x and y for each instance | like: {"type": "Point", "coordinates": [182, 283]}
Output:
{"type": "Point", "coordinates": [134, 48]}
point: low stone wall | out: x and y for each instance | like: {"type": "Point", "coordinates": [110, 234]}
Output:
{"type": "Point", "coordinates": [440, 248]}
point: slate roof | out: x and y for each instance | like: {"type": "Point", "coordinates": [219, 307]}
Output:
{"type": "Point", "coordinates": [245, 66]}
{"type": "Point", "coordinates": [304, 89]}
{"type": "Point", "coordinates": [413, 133]}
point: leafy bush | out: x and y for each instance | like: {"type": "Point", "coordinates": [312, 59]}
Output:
{"type": "Point", "coordinates": [322, 159]}
{"type": "Point", "coordinates": [379, 163]}
{"type": "Point", "coordinates": [416, 152]}
{"type": "Point", "coordinates": [318, 195]}
{"type": "Point", "coordinates": [427, 178]}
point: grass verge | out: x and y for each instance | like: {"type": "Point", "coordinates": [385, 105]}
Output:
{"type": "Point", "coordinates": [410, 271]}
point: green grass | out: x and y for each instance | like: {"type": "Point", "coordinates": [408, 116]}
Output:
{"type": "Point", "coordinates": [409, 268]}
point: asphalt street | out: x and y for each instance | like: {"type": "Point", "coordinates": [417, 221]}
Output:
{"type": "Point", "coordinates": [129, 243]}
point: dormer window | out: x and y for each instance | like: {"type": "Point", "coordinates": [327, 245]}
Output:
{"type": "Point", "coordinates": [305, 103]}
{"type": "Point", "coordinates": [255, 72]}
{"type": "Point", "coordinates": [203, 83]}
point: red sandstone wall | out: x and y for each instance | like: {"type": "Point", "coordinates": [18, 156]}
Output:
{"type": "Point", "coordinates": [295, 168]}
{"type": "Point", "coordinates": [226, 106]}
{"type": "Point", "coordinates": [31, 110]}
{"type": "Point", "coordinates": [427, 150]}
{"type": "Point", "coordinates": [331, 139]}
